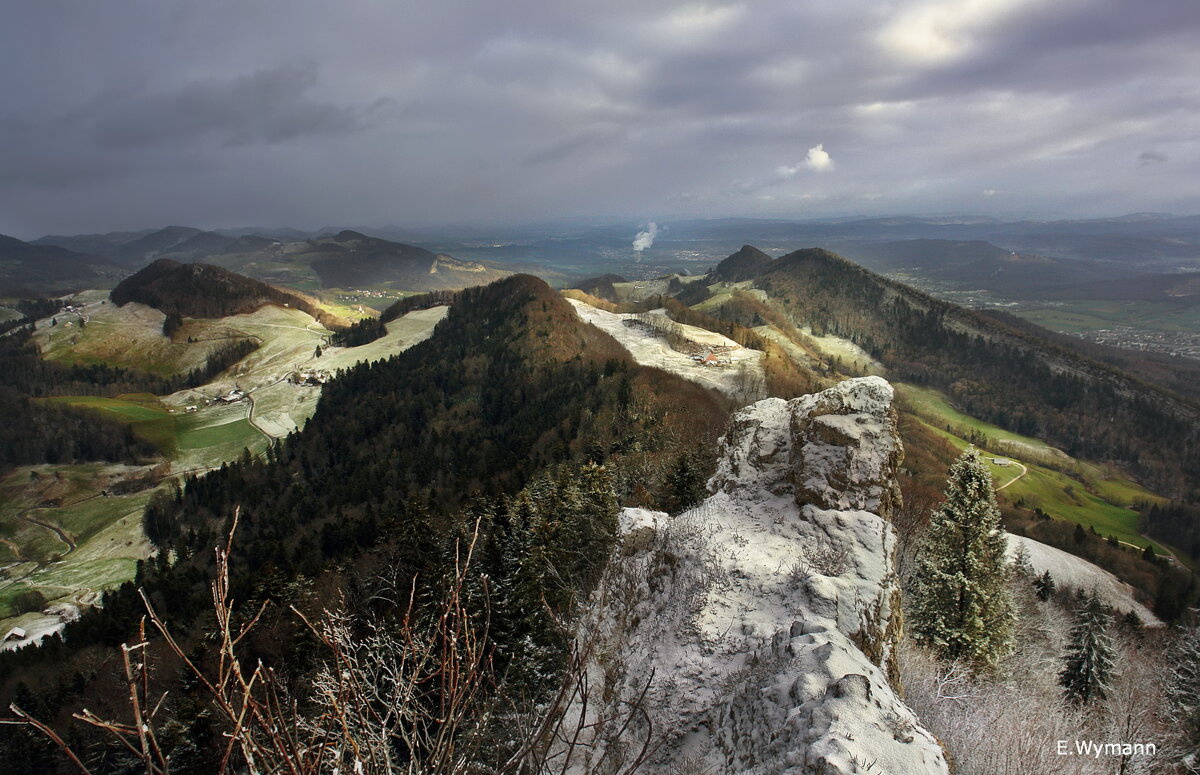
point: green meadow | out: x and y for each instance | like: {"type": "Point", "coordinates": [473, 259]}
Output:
{"type": "Point", "coordinates": [1063, 487]}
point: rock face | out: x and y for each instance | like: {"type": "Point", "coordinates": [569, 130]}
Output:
{"type": "Point", "coordinates": [763, 621]}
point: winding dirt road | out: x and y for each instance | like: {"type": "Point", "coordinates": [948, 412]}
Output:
{"type": "Point", "coordinates": [1024, 471]}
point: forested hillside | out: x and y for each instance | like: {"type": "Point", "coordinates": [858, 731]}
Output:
{"type": "Point", "coordinates": [39, 433]}
{"type": "Point", "coordinates": [998, 373]}
{"type": "Point", "coordinates": [23, 368]}
{"type": "Point", "coordinates": [514, 416]}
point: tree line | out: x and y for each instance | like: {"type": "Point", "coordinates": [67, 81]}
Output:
{"type": "Point", "coordinates": [23, 369]}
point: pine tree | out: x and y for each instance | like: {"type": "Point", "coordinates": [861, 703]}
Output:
{"type": "Point", "coordinates": [1022, 568]}
{"type": "Point", "coordinates": [1044, 586]}
{"type": "Point", "coordinates": [1089, 658]}
{"type": "Point", "coordinates": [1183, 695]}
{"type": "Point", "coordinates": [595, 525]}
{"type": "Point", "coordinates": [962, 605]}
{"type": "Point", "coordinates": [685, 483]}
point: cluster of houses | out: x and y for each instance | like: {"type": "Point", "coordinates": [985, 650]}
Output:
{"type": "Point", "coordinates": [310, 377]}
{"type": "Point", "coordinates": [19, 636]}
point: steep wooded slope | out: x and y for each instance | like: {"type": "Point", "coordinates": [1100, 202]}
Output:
{"type": "Point", "coordinates": [999, 373]}
{"type": "Point", "coordinates": [511, 383]}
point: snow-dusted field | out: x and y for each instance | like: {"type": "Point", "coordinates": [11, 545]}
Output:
{"type": "Point", "coordinates": [1071, 571]}
{"type": "Point", "coordinates": [845, 350]}
{"type": "Point", "coordinates": [290, 345]}
{"type": "Point", "coordinates": [742, 379]}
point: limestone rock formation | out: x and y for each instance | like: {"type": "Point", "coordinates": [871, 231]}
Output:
{"type": "Point", "coordinates": [763, 621]}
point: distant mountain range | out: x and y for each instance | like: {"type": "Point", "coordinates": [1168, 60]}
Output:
{"type": "Point", "coordinates": [350, 259]}
{"type": "Point", "coordinates": [31, 269]}
{"type": "Point", "coordinates": [1182, 288]}
{"type": "Point", "coordinates": [1013, 259]}
{"type": "Point", "coordinates": [998, 368]}
{"type": "Point", "coordinates": [347, 259]}
{"type": "Point", "coordinates": [980, 265]}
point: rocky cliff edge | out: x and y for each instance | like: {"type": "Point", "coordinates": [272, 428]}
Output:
{"type": "Point", "coordinates": [763, 621]}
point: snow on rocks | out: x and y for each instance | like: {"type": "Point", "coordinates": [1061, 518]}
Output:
{"type": "Point", "coordinates": [763, 621]}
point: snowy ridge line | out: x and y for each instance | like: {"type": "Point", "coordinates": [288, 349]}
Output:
{"type": "Point", "coordinates": [767, 615]}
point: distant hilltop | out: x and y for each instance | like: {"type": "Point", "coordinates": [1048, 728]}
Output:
{"type": "Point", "coordinates": [206, 291]}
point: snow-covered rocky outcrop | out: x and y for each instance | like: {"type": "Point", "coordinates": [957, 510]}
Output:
{"type": "Point", "coordinates": [763, 621]}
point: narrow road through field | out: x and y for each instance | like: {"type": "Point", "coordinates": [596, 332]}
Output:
{"type": "Point", "coordinates": [250, 419]}
{"type": "Point", "coordinates": [1024, 471]}
{"type": "Point", "coordinates": [62, 536]}
{"type": "Point", "coordinates": [250, 413]}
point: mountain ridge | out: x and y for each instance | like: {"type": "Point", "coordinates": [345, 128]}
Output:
{"type": "Point", "coordinates": [345, 259]}
{"type": "Point", "coordinates": [204, 291]}
{"type": "Point", "coordinates": [994, 370]}
{"type": "Point", "coordinates": [33, 269]}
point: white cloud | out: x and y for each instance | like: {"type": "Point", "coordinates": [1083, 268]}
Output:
{"type": "Point", "coordinates": [645, 238]}
{"type": "Point", "coordinates": [818, 159]}
{"type": "Point", "coordinates": [694, 22]}
{"type": "Point", "coordinates": [989, 192]}
{"type": "Point", "coordinates": [787, 172]}
{"type": "Point", "coordinates": [941, 31]}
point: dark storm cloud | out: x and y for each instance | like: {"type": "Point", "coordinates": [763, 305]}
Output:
{"type": "Point", "coordinates": [268, 106]}
{"type": "Point", "coordinates": [303, 112]}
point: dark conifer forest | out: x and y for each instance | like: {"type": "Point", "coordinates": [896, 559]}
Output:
{"type": "Point", "coordinates": [516, 427]}
{"type": "Point", "coordinates": [206, 291]}
{"type": "Point", "coordinates": [23, 369]}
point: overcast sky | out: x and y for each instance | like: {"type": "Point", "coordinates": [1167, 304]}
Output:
{"type": "Point", "coordinates": [128, 114]}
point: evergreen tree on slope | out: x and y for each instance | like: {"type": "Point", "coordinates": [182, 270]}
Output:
{"type": "Point", "coordinates": [1089, 658]}
{"type": "Point", "coordinates": [1183, 696]}
{"type": "Point", "coordinates": [962, 605]}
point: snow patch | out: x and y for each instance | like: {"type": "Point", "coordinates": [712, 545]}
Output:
{"type": "Point", "coordinates": [743, 378]}
{"type": "Point", "coordinates": [1071, 571]}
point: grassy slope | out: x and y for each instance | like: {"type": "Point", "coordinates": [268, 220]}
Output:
{"type": "Point", "coordinates": [106, 530]}
{"type": "Point", "coordinates": [1079, 491]}
{"type": "Point", "coordinates": [1063, 487]}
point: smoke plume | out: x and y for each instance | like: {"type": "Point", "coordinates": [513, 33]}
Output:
{"type": "Point", "coordinates": [645, 238]}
